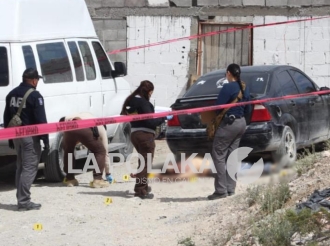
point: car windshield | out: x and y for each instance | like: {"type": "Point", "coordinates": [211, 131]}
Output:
{"type": "Point", "coordinates": [212, 84]}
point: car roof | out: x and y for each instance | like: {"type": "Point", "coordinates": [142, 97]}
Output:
{"type": "Point", "coordinates": [248, 69]}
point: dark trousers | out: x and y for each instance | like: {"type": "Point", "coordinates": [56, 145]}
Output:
{"type": "Point", "coordinates": [28, 156]}
{"type": "Point", "coordinates": [95, 146]}
{"type": "Point", "coordinates": [144, 143]}
{"type": "Point", "coordinates": [226, 140]}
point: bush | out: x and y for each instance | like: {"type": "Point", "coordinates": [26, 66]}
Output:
{"type": "Point", "coordinates": [187, 242]}
{"type": "Point", "coordinates": [253, 195]}
{"type": "Point", "coordinates": [306, 221]}
{"type": "Point", "coordinates": [275, 197]}
{"type": "Point", "coordinates": [278, 229]}
{"type": "Point", "coordinates": [270, 197]}
{"type": "Point", "coordinates": [306, 161]}
{"type": "Point", "coordinates": [275, 231]}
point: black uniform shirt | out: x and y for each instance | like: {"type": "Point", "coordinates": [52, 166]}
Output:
{"type": "Point", "coordinates": [32, 113]}
{"type": "Point", "coordinates": [140, 105]}
{"type": "Point", "coordinates": [228, 93]}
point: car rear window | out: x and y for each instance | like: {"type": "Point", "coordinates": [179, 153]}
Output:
{"type": "Point", "coordinates": [212, 84]}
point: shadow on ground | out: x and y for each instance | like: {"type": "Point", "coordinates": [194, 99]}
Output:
{"type": "Point", "coordinates": [9, 207]}
{"type": "Point", "coordinates": [124, 194]}
{"type": "Point", "coordinates": [187, 199]}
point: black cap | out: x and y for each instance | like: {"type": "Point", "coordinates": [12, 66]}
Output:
{"type": "Point", "coordinates": [31, 73]}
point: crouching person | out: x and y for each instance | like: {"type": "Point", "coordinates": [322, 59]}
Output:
{"type": "Point", "coordinates": [91, 138]}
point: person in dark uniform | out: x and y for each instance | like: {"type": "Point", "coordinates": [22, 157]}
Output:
{"type": "Point", "coordinates": [28, 149]}
{"type": "Point", "coordinates": [230, 131]}
{"type": "Point", "coordinates": [142, 133]}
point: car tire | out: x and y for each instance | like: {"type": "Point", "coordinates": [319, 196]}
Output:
{"type": "Point", "coordinates": [125, 152]}
{"type": "Point", "coordinates": [54, 162]}
{"type": "Point", "coordinates": [286, 154]}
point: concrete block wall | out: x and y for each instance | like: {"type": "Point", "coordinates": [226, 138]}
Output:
{"type": "Point", "coordinates": [305, 45]}
{"type": "Point", "coordinates": [296, 45]}
{"type": "Point", "coordinates": [113, 35]}
{"type": "Point", "coordinates": [165, 65]}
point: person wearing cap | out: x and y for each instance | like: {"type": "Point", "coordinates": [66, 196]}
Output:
{"type": "Point", "coordinates": [96, 140]}
{"type": "Point", "coordinates": [28, 149]}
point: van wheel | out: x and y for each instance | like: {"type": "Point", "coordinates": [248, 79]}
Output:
{"type": "Point", "coordinates": [128, 149]}
{"type": "Point", "coordinates": [54, 163]}
{"type": "Point", "coordinates": [287, 151]}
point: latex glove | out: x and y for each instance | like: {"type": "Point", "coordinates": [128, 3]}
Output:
{"type": "Point", "coordinates": [109, 178]}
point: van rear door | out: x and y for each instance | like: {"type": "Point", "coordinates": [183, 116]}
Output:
{"type": "Point", "coordinates": [6, 85]}
{"type": "Point", "coordinates": [5, 74]}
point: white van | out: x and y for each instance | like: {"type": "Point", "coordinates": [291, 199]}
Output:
{"type": "Point", "coordinates": [57, 37]}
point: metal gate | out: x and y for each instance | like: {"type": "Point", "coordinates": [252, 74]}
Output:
{"type": "Point", "coordinates": [218, 51]}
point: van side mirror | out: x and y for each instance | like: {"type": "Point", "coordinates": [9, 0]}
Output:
{"type": "Point", "coordinates": [120, 70]}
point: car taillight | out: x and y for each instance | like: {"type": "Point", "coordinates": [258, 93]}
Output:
{"type": "Point", "coordinates": [174, 121]}
{"type": "Point", "coordinates": [260, 113]}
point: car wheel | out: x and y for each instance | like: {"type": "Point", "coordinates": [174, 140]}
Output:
{"type": "Point", "coordinates": [128, 149]}
{"type": "Point", "coordinates": [286, 154]}
{"type": "Point", "coordinates": [54, 163]}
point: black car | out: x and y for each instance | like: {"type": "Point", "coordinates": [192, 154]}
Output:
{"type": "Point", "coordinates": [277, 128]}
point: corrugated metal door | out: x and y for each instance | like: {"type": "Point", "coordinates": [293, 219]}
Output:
{"type": "Point", "coordinates": [218, 51]}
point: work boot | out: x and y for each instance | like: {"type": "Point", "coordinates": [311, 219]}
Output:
{"type": "Point", "coordinates": [99, 183]}
{"type": "Point", "coordinates": [147, 196]}
{"type": "Point", "coordinates": [215, 196]}
{"type": "Point", "coordinates": [71, 182]}
{"type": "Point", "coordinates": [29, 206]}
{"type": "Point", "coordinates": [231, 193]}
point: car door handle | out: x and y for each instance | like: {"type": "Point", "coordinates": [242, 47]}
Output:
{"type": "Point", "coordinates": [311, 102]}
{"type": "Point", "coordinates": [293, 103]}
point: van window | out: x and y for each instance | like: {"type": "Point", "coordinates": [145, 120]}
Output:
{"type": "Point", "coordinates": [29, 59]}
{"type": "Point", "coordinates": [76, 61]}
{"type": "Point", "coordinates": [102, 58]}
{"type": "Point", "coordinates": [88, 60]}
{"type": "Point", "coordinates": [4, 72]}
{"type": "Point", "coordinates": [55, 66]}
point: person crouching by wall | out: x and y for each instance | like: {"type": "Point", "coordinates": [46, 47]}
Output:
{"type": "Point", "coordinates": [142, 132]}
{"type": "Point", "coordinates": [230, 131]}
{"type": "Point", "coordinates": [91, 138]}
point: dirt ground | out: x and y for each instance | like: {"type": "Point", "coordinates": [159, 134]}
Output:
{"type": "Point", "coordinates": [80, 215]}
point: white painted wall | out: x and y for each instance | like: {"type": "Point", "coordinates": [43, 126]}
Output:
{"type": "Point", "coordinates": [305, 45]}
{"type": "Point", "coordinates": [165, 65]}
{"type": "Point", "coordinates": [158, 3]}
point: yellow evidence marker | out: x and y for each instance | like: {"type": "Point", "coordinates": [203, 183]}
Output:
{"type": "Point", "coordinates": [126, 177]}
{"type": "Point", "coordinates": [283, 173]}
{"type": "Point", "coordinates": [108, 201]}
{"type": "Point", "coordinates": [193, 179]}
{"type": "Point", "coordinates": [151, 175]}
{"type": "Point", "coordinates": [37, 227]}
